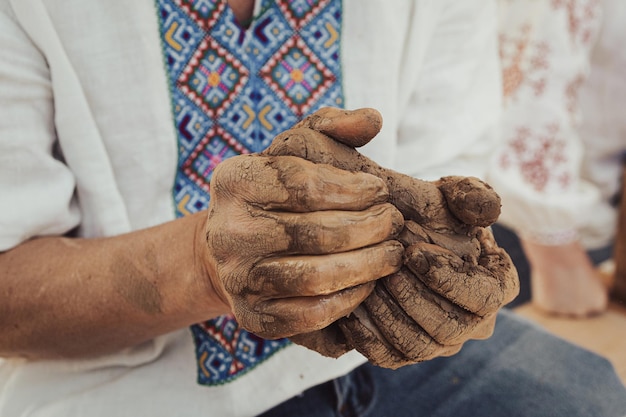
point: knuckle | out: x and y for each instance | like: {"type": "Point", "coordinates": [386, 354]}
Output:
{"type": "Point", "coordinates": [278, 277]}
{"type": "Point", "coordinates": [309, 237]}
{"type": "Point", "coordinates": [449, 332]}
{"type": "Point", "coordinates": [225, 171]}
{"type": "Point", "coordinates": [272, 324]}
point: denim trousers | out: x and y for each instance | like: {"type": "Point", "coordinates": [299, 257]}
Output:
{"type": "Point", "coordinates": [520, 371]}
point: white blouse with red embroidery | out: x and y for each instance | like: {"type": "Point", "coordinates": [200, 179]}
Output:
{"type": "Point", "coordinates": [559, 163]}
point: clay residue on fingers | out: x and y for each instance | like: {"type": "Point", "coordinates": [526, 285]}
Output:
{"type": "Point", "coordinates": [472, 287]}
{"type": "Point", "coordinates": [471, 200]}
{"type": "Point", "coordinates": [399, 330]}
{"type": "Point", "coordinates": [444, 321]}
{"type": "Point", "coordinates": [330, 341]}
{"type": "Point", "coordinates": [366, 338]}
{"type": "Point", "coordinates": [467, 247]}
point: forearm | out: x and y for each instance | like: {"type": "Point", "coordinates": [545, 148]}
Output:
{"type": "Point", "coordinates": [62, 297]}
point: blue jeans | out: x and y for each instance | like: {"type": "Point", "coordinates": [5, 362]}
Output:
{"type": "Point", "coordinates": [520, 371]}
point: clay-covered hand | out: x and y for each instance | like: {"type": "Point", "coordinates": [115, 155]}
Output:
{"type": "Point", "coordinates": [435, 303]}
{"type": "Point", "coordinates": [292, 246]}
{"type": "Point", "coordinates": [454, 277]}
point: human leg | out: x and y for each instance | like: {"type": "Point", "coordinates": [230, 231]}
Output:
{"type": "Point", "coordinates": [520, 371]}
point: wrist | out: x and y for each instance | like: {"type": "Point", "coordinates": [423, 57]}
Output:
{"type": "Point", "coordinates": [206, 271]}
{"type": "Point", "coordinates": [185, 273]}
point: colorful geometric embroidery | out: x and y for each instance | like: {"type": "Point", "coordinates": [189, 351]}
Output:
{"type": "Point", "coordinates": [225, 350]}
{"type": "Point", "coordinates": [216, 146]}
{"type": "Point", "coordinates": [295, 77]}
{"type": "Point", "coordinates": [232, 91]}
{"type": "Point", "coordinates": [213, 77]}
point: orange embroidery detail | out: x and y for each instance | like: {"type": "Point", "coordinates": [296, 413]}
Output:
{"type": "Point", "coordinates": [540, 158]}
{"type": "Point", "coordinates": [523, 62]}
{"type": "Point", "coordinates": [582, 18]}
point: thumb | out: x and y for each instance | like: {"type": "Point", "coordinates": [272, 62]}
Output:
{"type": "Point", "coordinates": [354, 128]}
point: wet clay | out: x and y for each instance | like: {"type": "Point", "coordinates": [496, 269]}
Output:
{"type": "Point", "coordinates": [454, 276]}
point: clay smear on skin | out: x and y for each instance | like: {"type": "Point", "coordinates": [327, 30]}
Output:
{"type": "Point", "coordinates": [134, 285]}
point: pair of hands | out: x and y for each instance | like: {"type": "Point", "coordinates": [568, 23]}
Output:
{"type": "Point", "coordinates": [313, 241]}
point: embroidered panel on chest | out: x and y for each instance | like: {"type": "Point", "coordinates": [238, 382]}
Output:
{"type": "Point", "coordinates": [232, 91]}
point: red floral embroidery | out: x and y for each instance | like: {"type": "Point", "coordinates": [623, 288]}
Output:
{"type": "Point", "coordinates": [582, 17]}
{"type": "Point", "coordinates": [571, 94]}
{"type": "Point", "coordinates": [539, 156]}
{"type": "Point", "coordinates": [524, 62]}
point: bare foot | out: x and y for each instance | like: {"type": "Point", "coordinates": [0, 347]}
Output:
{"type": "Point", "coordinates": [564, 281]}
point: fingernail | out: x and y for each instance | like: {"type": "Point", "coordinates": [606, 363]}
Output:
{"type": "Point", "coordinates": [416, 260]}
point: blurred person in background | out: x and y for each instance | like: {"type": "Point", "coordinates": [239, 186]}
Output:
{"type": "Point", "coordinates": [559, 168]}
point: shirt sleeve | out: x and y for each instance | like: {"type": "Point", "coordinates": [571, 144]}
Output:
{"type": "Point", "coordinates": [455, 100]}
{"type": "Point", "coordinates": [36, 187]}
{"type": "Point", "coordinates": [545, 48]}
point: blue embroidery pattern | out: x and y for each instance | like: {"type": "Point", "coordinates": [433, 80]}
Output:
{"type": "Point", "coordinates": [232, 91]}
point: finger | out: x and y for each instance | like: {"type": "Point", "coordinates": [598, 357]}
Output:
{"type": "Point", "coordinates": [494, 258]}
{"type": "Point", "coordinates": [318, 148]}
{"type": "Point", "coordinates": [412, 233]}
{"type": "Point", "coordinates": [422, 202]}
{"type": "Point", "coordinates": [364, 336]}
{"type": "Point", "coordinates": [293, 184]}
{"type": "Point", "coordinates": [329, 341]}
{"type": "Point", "coordinates": [261, 234]}
{"type": "Point", "coordinates": [445, 322]}
{"type": "Point", "coordinates": [354, 128]}
{"type": "Point", "coordinates": [417, 200]}
{"type": "Point", "coordinates": [476, 288]}
{"type": "Point", "coordinates": [485, 328]}
{"type": "Point", "coordinates": [285, 317]}
{"type": "Point", "coordinates": [317, 233]}
{"type": "Point", "coordinates": [400, 330]}
{"type": "Point", "coordinates": [465, 246]}
{"type": "Point", "coordinates": [325, 274]}
{"type": "Point", "coordinates": [452, 203]}
{"type": "Point", "coordinates": [471, 200]}
{"type": "Point", "coordinates": [333, 231]}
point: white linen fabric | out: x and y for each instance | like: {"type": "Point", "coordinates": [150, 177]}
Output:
{"type": "Point", "coordinates": [87, 145]}
{"type": "Point", "coordinates": [559, 164]}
